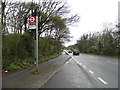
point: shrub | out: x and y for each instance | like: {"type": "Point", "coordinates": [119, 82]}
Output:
{"type": "Point", "coordinates": [35, 71]}
{"type": "Point", "coordinates": [16, 47]}
{"type": "Point", "coordinates": [25, 63]}
{"type": "Point", "coordinates": [12, 67]}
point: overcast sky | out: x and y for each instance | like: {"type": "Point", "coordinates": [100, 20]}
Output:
{"type": "Point", "coordinates": [93, 14]}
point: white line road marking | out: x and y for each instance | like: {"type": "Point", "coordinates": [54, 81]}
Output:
{"type": "Point", "coordinates": [91, 72]}
{"type": "Point", "coordinates": [72, 57]}
{"type": "Point", "coordinates": [75, 60]}
{"type": "Point", "coordinates": [80, 63]}
{"type": "Point", "coordinates": [70, 60]}
{"type": "Point", "coordinates": [67, 62]}
{"type": "Point", "coordinates": [102, 80]}
{"type": "Point", "coordinates": [84, 66]}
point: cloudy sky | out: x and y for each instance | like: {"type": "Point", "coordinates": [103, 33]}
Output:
{"type": "Point", "coordinates": [93, 14]}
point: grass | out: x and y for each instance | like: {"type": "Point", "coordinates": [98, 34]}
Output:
{"type": "Point", "coordinates": [49, 57]}
{"type": "Point", "coordinates": [22, 64]}
{"type": "Point", "coordinates": [12, 67]}
{"type": "Point", "coordinates": [35, 71]}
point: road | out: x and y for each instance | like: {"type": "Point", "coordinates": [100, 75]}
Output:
{"type": "Point", "coordinates": [83, 71]}
{"type": "Point", "coordinates": [86, 71]}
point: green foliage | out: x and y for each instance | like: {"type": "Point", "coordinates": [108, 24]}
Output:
{"type": "Point", "coordinates": [18, 50]}
{"type": "Point", "coordinates": [50, 57]}
{"type": "Point", "coordinates": [48, 46]}
{"type": "Point", "coordinates": [20, 64]}
{"type": "Point", "coordinates": [35, 71]}
{"type": "Point", "coordinates": [17, 46]}
{"type": "Point", "coordinates": [105, 43]}
{"type": "Point", "coordinates": [25, 63]}
{"type": "Point", "coordinates": [12, 67]}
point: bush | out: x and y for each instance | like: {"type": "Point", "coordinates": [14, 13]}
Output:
{"type": "Point", "coordinates": [35, 71]}
{"type": "Point", "coordinates": [16, 48]}
{"type": "Point", "coordinates": [12, 67]}
{"type": "Point", "coordinates": [25, 63]}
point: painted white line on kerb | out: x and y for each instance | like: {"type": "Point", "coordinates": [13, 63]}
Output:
{"type": "Point", "coordinates": [102, 80]}
{"type": "Point", "coordinates": [91, 72]}
{"type": "Point", "coordinates": [84, 66]}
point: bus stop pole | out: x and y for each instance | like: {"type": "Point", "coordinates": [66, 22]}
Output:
{"type": "Point", "coordinates": [37, 42]}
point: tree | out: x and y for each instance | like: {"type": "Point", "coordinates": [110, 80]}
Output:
{"type": "Point", "coordinates": [103, 43]}
{"type": "Point", "coordinates": [16, 14]}
{"type": "Point", "coordinates": [51, 8]}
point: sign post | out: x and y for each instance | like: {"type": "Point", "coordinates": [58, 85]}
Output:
{"type": "Point", "coordinates": [37, 41]}
{"type": "Point", "coordinates": [33, 24]}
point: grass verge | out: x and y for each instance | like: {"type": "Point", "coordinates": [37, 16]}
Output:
{"type": "Point", "coordinates": [19, 65]}
{"type": "Point", "coordinates": [49, 57]}
{"type": "Point", "coordinates": [35, 71]}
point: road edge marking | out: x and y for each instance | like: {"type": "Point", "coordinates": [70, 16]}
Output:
{"type": "Point", "coordinates": [80, 63]}
{"type": "Point", "coordinates": [84, 66]}
{"type": "Point", "coordinates": [100, 79]}
{"type": "Point", "coordinates": [91, 72]}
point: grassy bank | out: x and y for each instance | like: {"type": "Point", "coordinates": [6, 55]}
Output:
{"type": "Point", "coordinates": [18, 50]}
{"type": "Point", "coordinates": [49, 57]}
{"type": "Point", "coordinates": [28, 62]}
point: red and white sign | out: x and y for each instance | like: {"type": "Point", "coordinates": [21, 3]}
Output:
{"type": "Point", "coordinates": [32, 19]}
{"type": "Point", "coordinates": [32, 22]}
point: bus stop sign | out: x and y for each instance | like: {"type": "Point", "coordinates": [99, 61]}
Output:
{"type": "Point", "coordinates": [32, 19]}
{"type": "Point", "coordinates": [32, 22]}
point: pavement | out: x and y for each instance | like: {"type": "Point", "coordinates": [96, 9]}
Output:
{"type": "Point", "coordinates": [25, 79]}
{"type": "Point", "coordinates": [72, 76]}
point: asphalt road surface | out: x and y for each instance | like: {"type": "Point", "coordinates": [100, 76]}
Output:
{"type": "Point", "coordinates": [86, 71]}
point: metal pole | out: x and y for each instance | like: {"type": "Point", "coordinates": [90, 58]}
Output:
{"type": "Point", "coordinates": [37, 41]}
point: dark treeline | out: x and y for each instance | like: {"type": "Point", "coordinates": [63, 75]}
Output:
{"type": "Point", "coordinates": [101, 43]}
